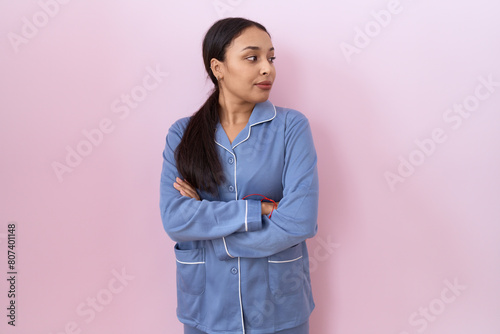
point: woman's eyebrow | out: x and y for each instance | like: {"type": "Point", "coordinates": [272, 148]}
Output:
{"type": "Point", "coordinates": [255, 48]}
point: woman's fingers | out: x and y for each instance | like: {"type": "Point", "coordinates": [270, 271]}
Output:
{"type": "Point", "coordinates": [186, 189]}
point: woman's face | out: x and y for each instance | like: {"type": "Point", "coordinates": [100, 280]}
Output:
{"type": "Point", "coordinates": [248, 72]}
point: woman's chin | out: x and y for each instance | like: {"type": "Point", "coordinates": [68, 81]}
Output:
{"type": "Point", "coordinates": [261, 98]}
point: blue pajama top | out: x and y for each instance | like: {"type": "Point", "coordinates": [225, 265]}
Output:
{"type": "Point", "coordinates": [239, 271]}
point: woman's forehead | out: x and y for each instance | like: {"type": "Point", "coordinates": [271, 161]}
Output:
{"type": "Point", "coordinates": [252, 38]}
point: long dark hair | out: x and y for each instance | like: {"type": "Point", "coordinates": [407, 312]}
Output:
{"type": "Point", "coordinates": [196, 156]}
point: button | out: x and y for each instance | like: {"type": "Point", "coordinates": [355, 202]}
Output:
{"type": "Point", "coordinates": [234, 271]}
{"type": "Point", "coordinates": [231, 188]}
{"type": "Point", "coordinates": [230, 160]}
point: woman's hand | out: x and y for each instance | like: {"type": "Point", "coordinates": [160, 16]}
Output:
{"type": "Point", "coordinates": [186, 189]}
{"type": "Point", "coordinates": [267, 207]}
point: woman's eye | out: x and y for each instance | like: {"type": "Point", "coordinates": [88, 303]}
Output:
{"type": "Point", "coordinates": [254, 58]}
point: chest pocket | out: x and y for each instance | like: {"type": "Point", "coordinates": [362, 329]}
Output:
{"type": "Point", "coordinates": [191, 271]}
{"type": "Point", "coordinates": [286, 271]}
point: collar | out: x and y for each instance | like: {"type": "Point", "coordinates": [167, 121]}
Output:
{"type": "Point", "coordinates": [262, 112]}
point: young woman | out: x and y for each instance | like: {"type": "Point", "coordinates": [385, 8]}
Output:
{"type": "Point", "coordinates": [239, 195]}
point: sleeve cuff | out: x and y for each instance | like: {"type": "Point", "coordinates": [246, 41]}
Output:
{"type": "Point", "coordinates": [253, 218]}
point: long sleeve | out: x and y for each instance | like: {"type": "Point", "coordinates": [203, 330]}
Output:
{"type": "Point", "coordinates": [187, 219]}
{"type": "Point", "coordinates": [295, 219]}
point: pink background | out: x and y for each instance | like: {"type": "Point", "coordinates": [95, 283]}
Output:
{"type": "Point", "coordinates": [383, 257]}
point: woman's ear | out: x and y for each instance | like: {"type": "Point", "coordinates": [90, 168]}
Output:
{"type": "Point", "coordinates": [216, 67]}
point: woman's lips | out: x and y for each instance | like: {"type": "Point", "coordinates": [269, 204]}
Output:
{"type": "Point", "coordinates": [266, 85]}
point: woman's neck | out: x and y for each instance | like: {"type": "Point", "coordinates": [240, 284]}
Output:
{"type": "Point", "coordinates": [234, 112]}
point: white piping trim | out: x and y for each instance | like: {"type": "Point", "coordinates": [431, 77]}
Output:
{"type": "Point", "coordinates": [285, 261]}
{"type": "Point", "coordinates": [189, 262]}
{"type": "Point", "coordinates": [222, 146]}
{"type": "Point", "coordinates": [250, 128]}
{"type": "Point", "coordinates": [241, 304]}
{"type": "Point", "coordinates": [235, 185]}
{"type": "Point", "coordinates": [246, 214]}
{"type": "Point", "coordinates": [225, 246]}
